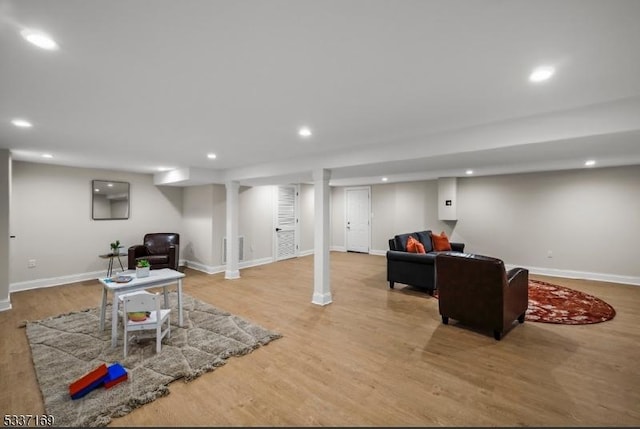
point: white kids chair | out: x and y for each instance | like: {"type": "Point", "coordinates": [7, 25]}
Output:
{"type": "Point", "coordinates": [150, 317]}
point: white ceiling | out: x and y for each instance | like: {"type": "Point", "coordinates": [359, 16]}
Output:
{"type": "Point", "coordinates": [404, 89]}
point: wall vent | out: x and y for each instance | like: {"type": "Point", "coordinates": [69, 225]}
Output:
{"type": "Point", "coordinates": [240, 249]}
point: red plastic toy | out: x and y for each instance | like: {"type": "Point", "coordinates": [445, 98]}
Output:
{"type": "Point", "coordinates": [88, 382]}
{"type": "Point", "coordinates": [100, 376]}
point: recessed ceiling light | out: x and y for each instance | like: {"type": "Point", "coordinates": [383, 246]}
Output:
{"type": "Point", "coordinates": [96, 190]}
{"type": "Point", "coordinates": [40, 39]}
{"type": "Point", "coordinates": [384, 179]}
{"type": "Point", "coordinates": [22, 123]}
{"type": "Point", "coordinates": [110, 185]}
{"type": "Point", "coordinates": [468, 172]}
{"type": "Point", "coordinates": [590, 163]}
{"type": "Point", "coordinates": [212, 156]}
{"type": "Point", "coordinates": [47, 155]}
{"type": "Point", "coordinates": [542, 73]}
{"type": "Point", "coordinates": [304, 132]}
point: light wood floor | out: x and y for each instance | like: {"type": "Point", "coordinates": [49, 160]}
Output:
{"type": "Point", "coordinates": [374, 357]}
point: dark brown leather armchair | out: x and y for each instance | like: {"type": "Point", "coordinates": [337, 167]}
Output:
{"type": "Point", "coordinates": [161, 249]}
{"type": "Point", "coordinates": [477, 290]}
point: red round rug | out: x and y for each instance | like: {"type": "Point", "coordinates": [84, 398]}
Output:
{"type": "Point", "coordinates": [549, 303]}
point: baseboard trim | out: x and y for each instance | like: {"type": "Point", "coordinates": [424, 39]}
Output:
{"type": "Point", "coordinates": [378, 252]}
{"type": "Point", "coordinates": [74, 278]}
{"type": "Point", "coordinates": [256, 262]}
{"type": "Point", "coordinates": [312, 252]}
{"type": "Point", "coordinates": [5, 305]}
{"type": "Point", "coordinates": [54, 281]}
{"type": "Point", "coordinates": [62, 280]}
{"type": "Point", "coordinates": [603, 277]}
{"type": "Point", "coordinates": [209, 269]}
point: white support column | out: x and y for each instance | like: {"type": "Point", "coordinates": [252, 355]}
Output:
{"type": "Point", "coordinates": [321, 272]}
{"type": "Point", "coordinates": [232, 271]}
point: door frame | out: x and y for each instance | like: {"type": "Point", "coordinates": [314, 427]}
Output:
{"type": "Point", "coordinates": [274, 222]}
{"type": "Point", "coordinates": [346, 208]}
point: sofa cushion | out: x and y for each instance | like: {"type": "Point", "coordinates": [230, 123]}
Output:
{"type": "Point", "coordinates": [156, 259]}
{"type": "Point", "coordinates": [440, 242]}
{"type": "Point", "coordinates": [414, 246]}
{"type": "Point", "coordinates": [424, 237]}
{"type": "Point", "coordinates": [421, 258]}
{"type": "Point", "coordinates": [401, 242]}
{"type": "Point", "coordinates": [411, 244]}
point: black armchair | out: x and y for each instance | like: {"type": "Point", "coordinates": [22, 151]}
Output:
{"type": "Point", "coordinates": [414, 269]}
{"type": "Point", "coordinates": [161, 249]}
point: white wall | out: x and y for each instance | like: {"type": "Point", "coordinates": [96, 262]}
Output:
{"type": "Point", "coordinates": [220, 221]}
{"type": "Point", "coordinates": [5, 230]}
{"type": "Point", "coordinates": [197, 246]}
{"type": "Point", "coordinates": [588, 218]}
{"type": "Point", "coordinates": [307, 216]}
{"type": "Point", "coordinates": [204, 214]}
{"type": "Point", "coordinates": [338, 230]}
{"type": "Point", "coordinates": [205, 225]}
{"type": "Point", "coordinates": [51, 219]}
{"type": "Point", "coordinates": [255, 221]}
{"type": "Point", "coordinates": [404, 207]}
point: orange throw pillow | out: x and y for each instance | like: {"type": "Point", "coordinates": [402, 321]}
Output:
{"type": "Point", "coordinates": [414, 246]}
{"type": "Point", "coordinates": [411, 244]}
{"type": "Point", "coordinates": [440, 242]}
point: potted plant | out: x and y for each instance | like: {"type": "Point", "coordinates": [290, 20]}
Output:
{"type": "Point", "coordinates": [115, 247]}
{"type": "Point", "coordinates": [142, 268]}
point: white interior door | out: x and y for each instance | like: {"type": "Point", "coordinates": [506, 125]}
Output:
{"type": "Point", "coordinates": [357, 219]}
{"type": "Point", "coordinates": [286, 222]}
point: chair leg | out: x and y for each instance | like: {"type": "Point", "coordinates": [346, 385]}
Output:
{"type": "Point", "coordinates": [391, 285]}
{"type": "Point", "coordinates": [445, 320]}
{"type": "Point", "coordinates": [126, 341]}
{"type": "Point", "coordinates": [497, 334]}
{"type": "Point", "coordinates": [158, 337]}
{"type": "Point", "coordinates": [521, 318]}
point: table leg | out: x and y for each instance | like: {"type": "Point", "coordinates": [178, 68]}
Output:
{"type": "Point", "coordinates": [114, 320]}
{"type": "Point", "coordinates": [180, 302]}
{"type": "Point", "coordinates": [166, 297]}
{"type": "Point", "coordinates": [110, 267]}
{"type": "Point", "coordinates": [119, 260]}
{"type": "Point", "coordinates": [103, 308]}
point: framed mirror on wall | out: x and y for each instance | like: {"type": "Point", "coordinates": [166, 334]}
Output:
{"type": "Point", "coordinates": [109, 200]}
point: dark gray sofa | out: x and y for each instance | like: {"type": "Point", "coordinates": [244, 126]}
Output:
{"type": "Point", "coordinates": [414, 269]}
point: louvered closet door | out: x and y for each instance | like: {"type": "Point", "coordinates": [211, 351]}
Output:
{"type": "Point", "coordinates": [286, 222]}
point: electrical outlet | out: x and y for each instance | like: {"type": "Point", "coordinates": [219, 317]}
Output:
{"type": "Point", "coordinates": [31, 263]}
{"type": "Point", "coordinates": [549, 254]}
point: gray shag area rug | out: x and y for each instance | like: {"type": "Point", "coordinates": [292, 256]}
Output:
{"type": "Point", "coordinates": [67, 346]}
